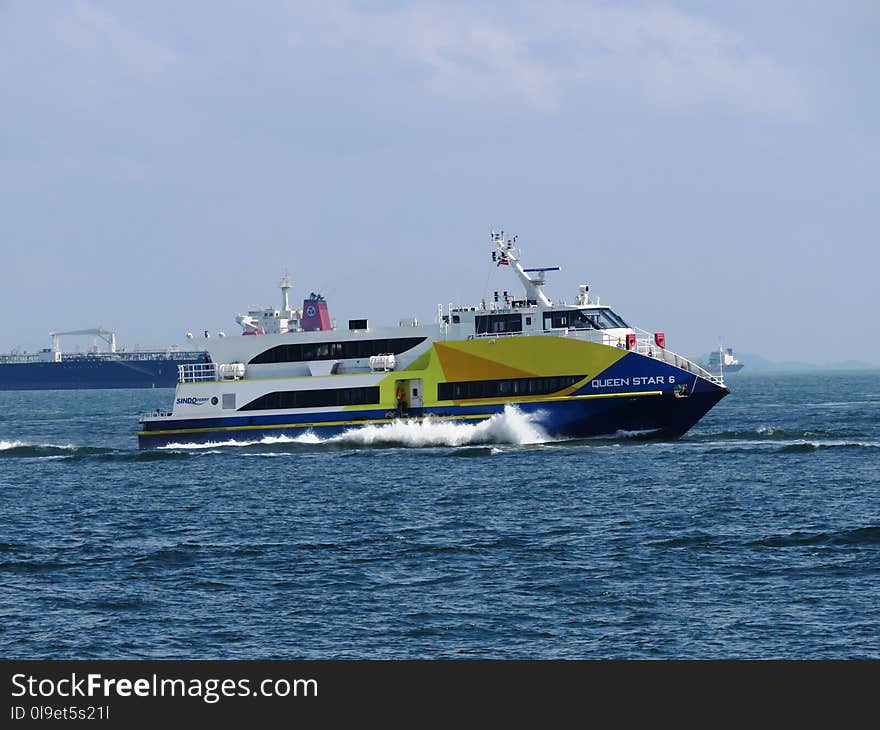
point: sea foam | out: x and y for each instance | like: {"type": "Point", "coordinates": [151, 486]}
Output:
{"type": "Point", "coordinates": [510, 427]}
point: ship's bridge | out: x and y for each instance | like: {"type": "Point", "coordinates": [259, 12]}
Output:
{"type": "Point", "coordinates": [585, 318]}
{"type": "Point", "coordinates": [529, 316]}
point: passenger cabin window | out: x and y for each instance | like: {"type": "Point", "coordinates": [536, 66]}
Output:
{"type": "Point", "coordinates": [354, 348]}
{"type": "Point", "coordinates": [497, 323]}
{"type": "Point", "coordinates": [314, 398]}
{"type": "Point", "coordinates": [472, 389]}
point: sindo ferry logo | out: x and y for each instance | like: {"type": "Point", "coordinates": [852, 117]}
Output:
{"type": "Point", "coordinates": [194, 401]}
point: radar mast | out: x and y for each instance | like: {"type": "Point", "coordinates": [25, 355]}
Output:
{"type": "Point", "coordinates": [532, 279]}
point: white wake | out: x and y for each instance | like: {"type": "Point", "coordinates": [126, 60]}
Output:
{"type": "Point", "coordinates": [4, 445]}
{"type": "Point", "coordinates": [511, 427]}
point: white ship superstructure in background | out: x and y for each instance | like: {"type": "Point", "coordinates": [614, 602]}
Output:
{"type": "Point", "coordinates": [313, 317]}
{"type": "Point", "coordinates": [722, 361]}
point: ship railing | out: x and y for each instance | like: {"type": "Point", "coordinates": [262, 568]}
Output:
{"type": "Point", "coordinates": [649, 347]}
{"type": "Point", "coordinates": [160, 355]}
{"type": "Point", "coordinates": [151, 415]}
{"type": "Point", "coordinates": [197, 372]}
{"type": "Point", "coordinates": [23, 358]}
{"type": "Point", "coordinates": [644, 346]}
{"type": "Point", "coordinates": [592, 335]}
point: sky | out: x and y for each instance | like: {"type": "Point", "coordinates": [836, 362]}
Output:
{"type": "Point", "coordinates": [711, 170]}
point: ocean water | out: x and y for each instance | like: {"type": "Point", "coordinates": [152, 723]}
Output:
{"type": "Point", "coordinates": [755, 536]}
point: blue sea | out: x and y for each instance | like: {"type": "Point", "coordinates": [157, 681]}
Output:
{"type": "Point", "coordinates": [755, 536]}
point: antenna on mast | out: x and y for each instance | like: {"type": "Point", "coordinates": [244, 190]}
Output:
{"type": "Point", "coordinates": [285, 291]}
{"type": "Point", "coordinates": [532, 279]}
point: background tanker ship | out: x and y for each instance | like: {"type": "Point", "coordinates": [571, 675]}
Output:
{"type": "Point", "coordinates": [52, 369]}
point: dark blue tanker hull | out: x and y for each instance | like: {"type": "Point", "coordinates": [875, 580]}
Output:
{"type": "Point", "coordinates": [92, 373]}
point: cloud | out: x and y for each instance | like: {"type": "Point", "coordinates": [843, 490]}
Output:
{"type": "Point", "coordinates": [544, 54]}
{"type": "Point", "coordinates": [470, 57]}
{"type": "Point", "coordinates": [676, 59]}
{"type": "Point", "coordinates": [89, 28]}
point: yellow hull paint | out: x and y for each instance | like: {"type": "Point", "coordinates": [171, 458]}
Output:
{"type": "Point", "coordinates": [486, 358]}
{"type": "Point", "coordinates": [500, 358]}
{"type": "Point", "coordinates": [523, 357]}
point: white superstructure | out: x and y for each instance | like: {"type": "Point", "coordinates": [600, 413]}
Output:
{"type": "Point", "coordinates": [262, 320]}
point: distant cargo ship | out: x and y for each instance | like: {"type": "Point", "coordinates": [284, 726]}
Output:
{"type": "Point", "coordinates": [52, 369]}
{"type": "Point", "coordinates": [723, 361]}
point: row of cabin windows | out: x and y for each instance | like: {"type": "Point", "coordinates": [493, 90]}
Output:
{"type": "Point", "coordinates": [355, 348]}
{"type": "Point", "coordinates": [571, 318]}
{"type": "Point", "coordinates": [314, 398]}
{"type": "Point", "coordinates": [504, 388]}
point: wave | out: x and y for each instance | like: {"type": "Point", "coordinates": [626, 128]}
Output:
{"type": "Point", "coordinates": [699, 539]}
{"type": "Point", "coordinates": [4, 445]}
{"type": "Point", "coordinates": [771, 433]}
{"type": "Point", "coordinates": [512, 427]}
{"type": "Point", "coordinates": [624, 435]}
{"type": "Point", "coordinates": [470, 452]}
{"type": "Point", "coordinates": [24, 449]}
{"type": "Point", "coordinates": [72, 452]}
{"type": "Point", "coordinates": [210, 447]}
{"type": "Point", "coordinates": [805, 447]}
{"type": "Point", "coordinates": [869, 535]}
{"type": "Point", "coordinates": [839, 404]}
{"type": "Point", "coordinates": [33, 566]}
{"type": "Point", "coordinates": [780, 442]}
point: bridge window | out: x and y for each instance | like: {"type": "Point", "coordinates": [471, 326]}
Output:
{"type": "Point", "coordinates": [555, 320]}
{"type": "Point", "coordinates": [498, 323]}
{"type": "Point", "coordinates": [583, 319]}
{"type": "Point", "coordinates": [601, 319]}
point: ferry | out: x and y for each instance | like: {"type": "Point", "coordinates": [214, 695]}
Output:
{"type": "Point", "coordinates": [722, 361]}
{"type": "Point", "coordinates": [577, 370]}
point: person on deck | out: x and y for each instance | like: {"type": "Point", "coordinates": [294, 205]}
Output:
{"type": "Point", "coordinates": [401, 401]}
